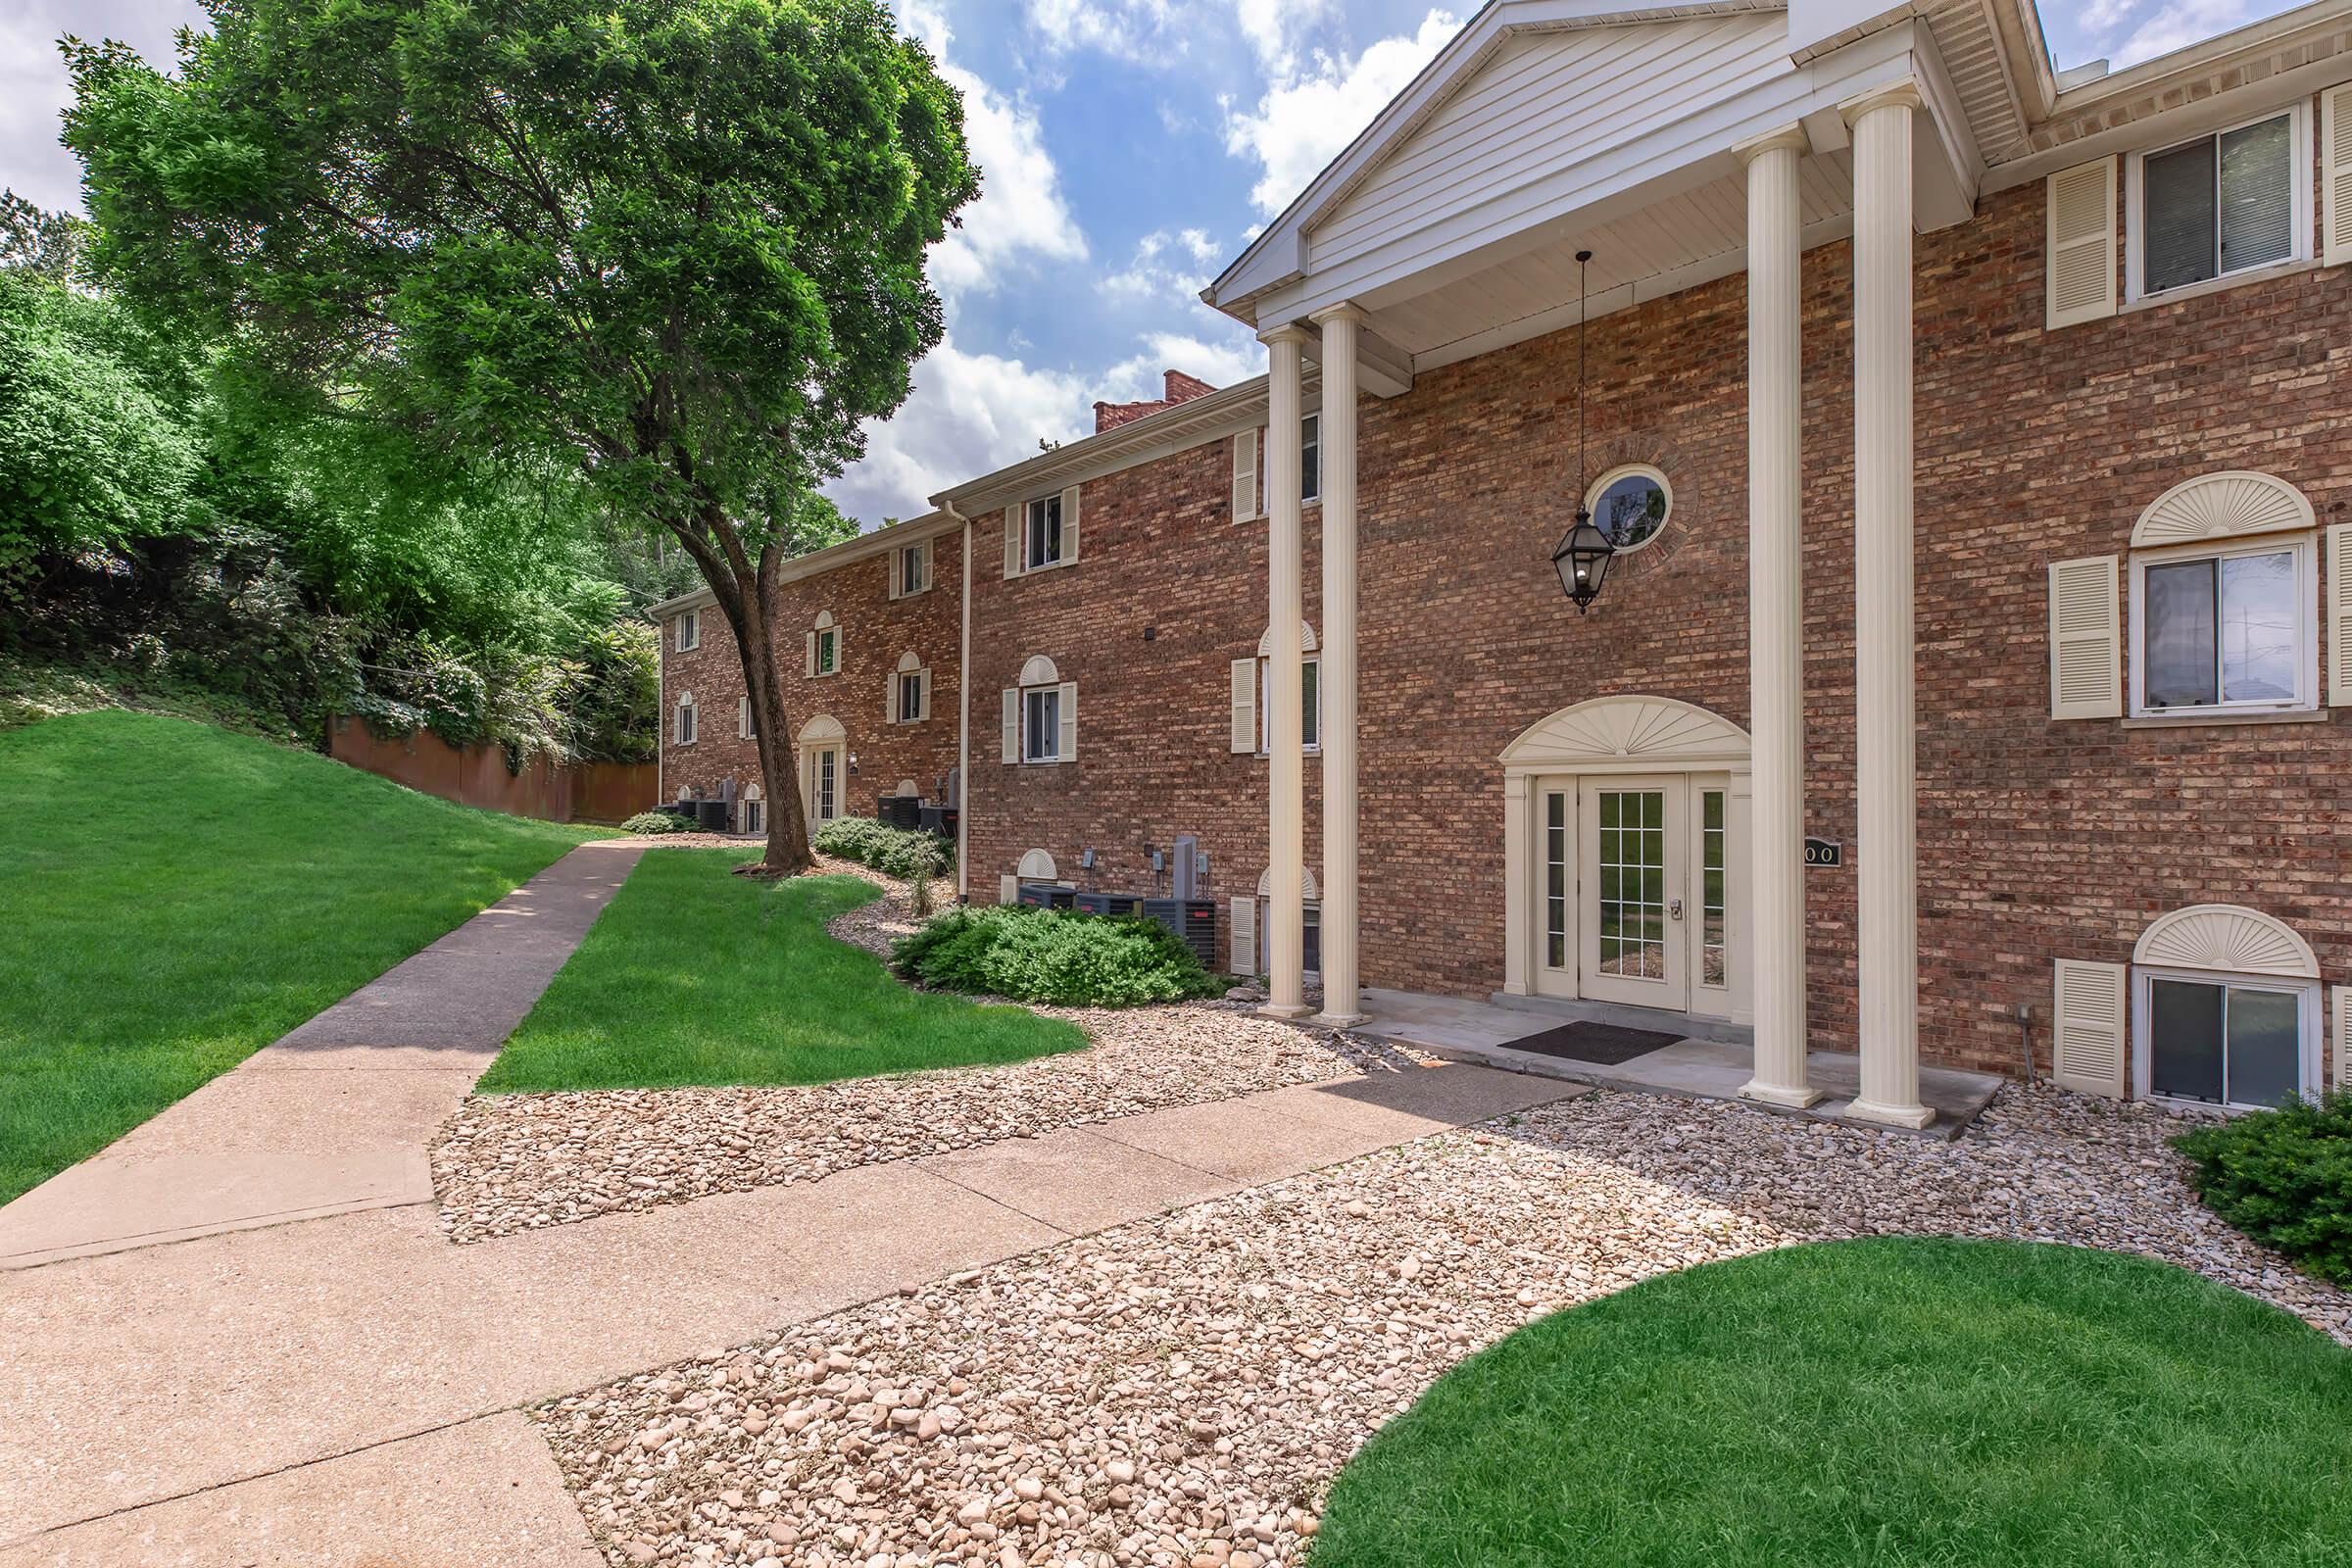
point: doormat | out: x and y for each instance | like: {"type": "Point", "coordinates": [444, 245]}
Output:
{"type": "Point", "coordinates": [1604, 1044]}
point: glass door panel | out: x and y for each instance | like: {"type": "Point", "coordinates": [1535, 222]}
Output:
{"type": "Point", "coordinates": [1632, 905]}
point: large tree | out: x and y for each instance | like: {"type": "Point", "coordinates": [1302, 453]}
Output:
{"type": "Point", "coordinates": [681, 241]}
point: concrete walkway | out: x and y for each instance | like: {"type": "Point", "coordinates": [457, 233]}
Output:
{"type": "Point", "coordinates": [340, 1390]}
{"type": "Point", "coordinates": [334, 1117]}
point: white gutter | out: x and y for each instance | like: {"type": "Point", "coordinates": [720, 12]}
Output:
{"type": "Point", "coordinates": [930, 525]}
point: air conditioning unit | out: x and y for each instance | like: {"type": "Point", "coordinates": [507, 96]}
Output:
{"type": "Point", "coordinates": [1193, 920]}
{"type": "Point", "coordinates": [1049, 896]}
{"type": "Point", "coordinates": [1127, 904]}
{"type": "Point", "coordinates": [711, 815]}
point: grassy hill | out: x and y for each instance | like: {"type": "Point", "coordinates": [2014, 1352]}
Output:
{"type": "Point", "coordinates": [174, 896]}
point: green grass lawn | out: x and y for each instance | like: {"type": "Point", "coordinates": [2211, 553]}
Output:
{"type": "Point", "coordinates": [696, 976]}
{"type": "Point", "coordinates": [175, 896]}
{"type": "Point", "coordinates": [1895, 1402]}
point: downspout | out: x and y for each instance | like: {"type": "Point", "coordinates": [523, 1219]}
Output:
{"type": "Point", "coordinates": [964, 718]}
{"type": "Point", "coordinates": [660, 711]}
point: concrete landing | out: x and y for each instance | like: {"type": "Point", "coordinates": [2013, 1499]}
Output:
{"type": "Point", "coordinates": [333, 1118]}
{"type": "Point", "coordinates": [200, 1391]}
{"type": "Point", "coordinates": [1696, 1069]}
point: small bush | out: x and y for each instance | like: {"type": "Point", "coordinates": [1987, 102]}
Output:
{"type": "Point", "coordinates": [2283, 1177]}
{"type": "Point", "coordinates": [891, 851]}
{"type": "Point", "coordinates": [656, 823]}
{"type": "Point", "coordinates": [1054, 956]}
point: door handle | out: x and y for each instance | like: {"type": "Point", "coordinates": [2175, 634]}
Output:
{"type": "Point", "coordinates": [1674, 909]}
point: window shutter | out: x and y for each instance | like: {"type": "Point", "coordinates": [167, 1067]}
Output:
{"type": "Point", "coordinates": [808, 667]}
{"type": "Point", "coordinates": [1067, 749]}
{"type": "Point", "coordinates": [1244, 475]}
{"type": "Point", "coordinates": [1244, 706]}
{"type": "Point", "coordinates": [2343, 1037]}
{"type": "Point", "coordinates": [924, 695]}
{"type": "Point", "coordinates": [2339, 613]}
{"type": "Point", "coordinates": [1008, 889]}
{"type": "Point", "coordinates": [2085, 639]}
{"type": "Point", "coordinates": [1011, 740]}
{"type": "Point", "coordinates": [894, 568]}
{"type": "Point", "coordinates": [1069, 523]}
{"type": "Point", "coordinates": [1244, 958]}
{"type": "Point", "coordinates": [2335, 175]}
{"type": "Point", "coordinates": [890, 697]}
{"type": "Point", "coordinates": [1012, 541]}
{"type": "Point", "coordinates": [922, 577]}
{"type": "Point", "coordinates": [743, 719]}
{"type": "Point", "coordinates": [2086, 1028]}
{"type": "Point", "coordinates": [2080, 259]}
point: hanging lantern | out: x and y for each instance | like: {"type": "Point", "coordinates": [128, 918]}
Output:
{"type": "Point", "coordinates": [1585, 552]}
{"type": "Point", "coordinates": [1582, 560]}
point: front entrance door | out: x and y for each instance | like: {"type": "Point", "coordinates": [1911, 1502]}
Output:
{"type": "Point", "coordinates": [1634, 891]}
{"type": "Point", "coordinates": [1633, 905]}
{"type": "Point", "coordinates": [824, 785]}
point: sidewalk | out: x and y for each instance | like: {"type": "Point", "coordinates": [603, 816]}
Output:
{"type": "Point", "coordinates": [339, 1390]}
{"type": "Point", "coordinates": [332, 1118]}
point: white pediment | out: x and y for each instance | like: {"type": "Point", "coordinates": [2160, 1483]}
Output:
{"type": "Point", "coordinates": [2223, 505]}
{"type": "Point", "coordinates": [2227, 938]}
{"type": "Point", "coordinates": [1536, 100]}
{"type": "Point", "coordinates": [1616, 731]}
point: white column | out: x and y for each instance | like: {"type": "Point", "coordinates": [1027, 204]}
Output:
{"type": "Point", "coordinates": [1886, 800]}
{"type": "Point", "coordinates": [1776, 677]}
{"type": "Point", "coordinates": [1285, 761]}
{"type": "Point", "coordinates": [1342, 999]}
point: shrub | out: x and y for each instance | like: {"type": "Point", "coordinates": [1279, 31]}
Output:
{"type": "Point", "coordinates": [1056, 956]}
{"type": "Point", "coordinates": [2283, 1177]}
{"type": "Point", "coordinates": [891, 851]}
{"type": "Point", "coordinates": [656, 823]}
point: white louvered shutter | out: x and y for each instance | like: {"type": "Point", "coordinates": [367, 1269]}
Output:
{"type": "Point", "coordinates": [809, 664]}
{"type": "Point", "coordinates": [1244, 706]}
{"type": "Point", "coordinates": [1067, 748]}
{"type": "Point", "coordinates": [1008, 889]}
{"type": "Point", "coordinates": [1012, 541]}
{"type": "Point", "coordinates": [2080, 259]}
{"type": "Point", "coordinates": [1069, 523]}
{"type": "Point", "coordinates": [1244, 475]}
{"type": "Point", "coordinates": [2086, 639]}
{"type": "Point", "coordinates": [2335, 175]}
{"type": "Point", "coordinates": [922, 697]}
{"type": "Point", "coordinates": [1010, 740]}
{"type": "Point", "coordinates": [894, 568]}
{"type": "Point", "coordinates": [1244, 956]}
{"type": "Point", "coordinates": [2343, 1037]}
{"type": "Point", "coordinates": [2339, 600]}
{"type": "Point", "coordinates": [2086, 1028]}
{"type": "Point", "coordinates": [890, 697]}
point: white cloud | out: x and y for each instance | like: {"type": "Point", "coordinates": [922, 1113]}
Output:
{"type": "Point", "coordinates": [1230, 359]}
{"type": "Point", "coordinates": [1150, 30]}
{"type": "Point", "coordinates": [970, 412]}
{"type": "Point", "coordinates": [1273, 26]}
{"type": "Point", "coordinates": [2180, 23]}
{"type": "Point", "coordinates": [1022, 213]}
{"type": "Point", "coordinates": [1306, 119]}
{"type": "Point", "coordinates": [1158, 270]}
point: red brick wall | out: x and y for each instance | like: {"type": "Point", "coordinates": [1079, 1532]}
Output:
{"type": "Point", "coordinates": [1167, 592]}
{"type": "Point", "coordinates": [875, 630]}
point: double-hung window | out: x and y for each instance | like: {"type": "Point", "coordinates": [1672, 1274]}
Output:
{"type": "Point", "coordinates": [1310, 687]}
{"type": "Point", "coordinates": [690, 630]}
{"type": "Point", "coordinates": [2223, 203]}
{"type": "Point", "coordinates": [686, 720]}
{"type": "Point", "coordinates": [911, 696]}
{"type": "Point", "coordinates": [1041, 536]}
{"type": "Point", "coordinates": [2226, 630]}
{"type": "Point", "coordinates": [1310, 457]}
{"type": "Point", "coordinates": [915, 569]}
{"type": "Point", "coordinates": [1040, 724]}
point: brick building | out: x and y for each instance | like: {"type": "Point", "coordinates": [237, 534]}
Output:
{"type": "Point", "coordinates": [1973, 444]}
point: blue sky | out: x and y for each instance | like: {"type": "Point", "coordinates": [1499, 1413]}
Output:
{"type": "Point", "coordinates": [1130, 148]}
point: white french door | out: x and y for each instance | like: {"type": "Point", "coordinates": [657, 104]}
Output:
{"type": "Point", "coordinates": [1635, 890]}
{"type": "Point", "coordinates": [821, 780]}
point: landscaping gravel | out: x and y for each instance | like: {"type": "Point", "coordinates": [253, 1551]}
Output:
{"type": "Point", "coordinates": [513, 1162]}
{"type": "Point", "coordinates": [1180, 1391]}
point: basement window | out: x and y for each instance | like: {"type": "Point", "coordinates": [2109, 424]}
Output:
{"type": "Point", "coordinates": [2231, 1040]}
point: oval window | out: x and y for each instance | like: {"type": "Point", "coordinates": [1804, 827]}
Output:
{"type": "Point", "coordinates": [1630, 505]}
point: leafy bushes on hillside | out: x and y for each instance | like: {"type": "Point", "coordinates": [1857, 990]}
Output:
{"type": "Point", "coordinates": [653, 824]}
{"type": "Point", "coordinates": [2283, 1177]}
{"type": "Point", "coordinates": [891, 851]}
{"type": "Point", "coordinates": [1054, 956]}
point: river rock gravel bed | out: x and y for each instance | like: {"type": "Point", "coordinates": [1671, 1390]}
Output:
{"type": "Point", "coordinates": [1178, 1391]}
{"type": "Point", "coordinates": [506, 1163]}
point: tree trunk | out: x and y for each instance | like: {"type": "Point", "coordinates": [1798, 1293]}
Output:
{"type": "Point", "coordinates": [787, 852]}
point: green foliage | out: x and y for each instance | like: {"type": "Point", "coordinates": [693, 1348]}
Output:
{"type": "Point", "coordinates": [891, 851]}
{"type": "Point", "coordinates": [1054, 956]}
{"type": "Point", "coordinates": [696, 976]}
{"type": "Point", "coordinates": [2283, 1177]}
{"type": "Point", "coordinates": [654, 824]}
{"type": "Point", "coordinates": [90, 457]}
{"type": "Point", "coordinates": [1896, 1403]}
